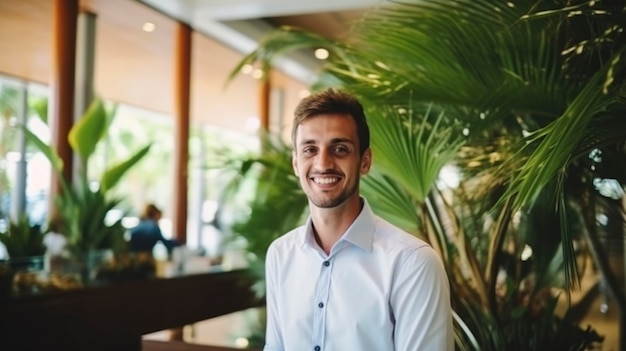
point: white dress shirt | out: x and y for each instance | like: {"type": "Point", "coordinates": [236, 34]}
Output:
{"type": "Point", "coordinates": [379, 289]}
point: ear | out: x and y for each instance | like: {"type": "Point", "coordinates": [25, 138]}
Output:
{"type": "Point", "coordinates": [366, 161]}
{"type": "Point", "coordinates": [294, 162]}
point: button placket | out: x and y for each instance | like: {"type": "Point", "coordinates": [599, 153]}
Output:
{"type": "Point", "coordinates": [321, 296]}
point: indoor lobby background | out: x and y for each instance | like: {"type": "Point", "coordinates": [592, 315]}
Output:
{"type": "Point", "coordinates": [133, 59]}
{"type": "Point", "coordinates": [133, 53]}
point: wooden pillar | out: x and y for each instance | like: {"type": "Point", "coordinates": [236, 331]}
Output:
{"type": "Point", "coordinates": [182, 88]}
{"type": "Point", "coordinates": [61, 103]}
{"type": "Point", "coordinates": [264, 103]}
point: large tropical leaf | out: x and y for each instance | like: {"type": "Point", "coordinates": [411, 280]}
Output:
{"type": "Point", "coordinates": [390, 201]}
{"type": "Point", "coordinates": [88, 130]}
{"type": "Point", "coordinates": [414, 147]}
{"type": "Point", "coordinates": [114, 173]}
{"type": "Point", "coordinates": [47, 150]}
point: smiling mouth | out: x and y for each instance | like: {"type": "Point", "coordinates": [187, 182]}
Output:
{"type": "Point", "coordinates": [325, 180]}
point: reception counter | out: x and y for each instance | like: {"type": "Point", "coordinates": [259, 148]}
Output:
{"type": "Point", "coordinates": [114, 316]}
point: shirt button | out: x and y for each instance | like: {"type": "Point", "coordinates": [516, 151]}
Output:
{"type": "Point", "coordinates": [320, 305]}
{"type": "Point", "coordinates": [317, 348]}
{"type": "Point", "coordinates": [326, 263]}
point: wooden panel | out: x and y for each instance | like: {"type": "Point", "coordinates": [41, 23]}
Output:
{"type": "Point", "coordinates": [115, 316]}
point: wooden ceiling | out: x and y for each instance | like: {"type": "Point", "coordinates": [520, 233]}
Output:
{"type": "Point", "coordinates": [124, 51]}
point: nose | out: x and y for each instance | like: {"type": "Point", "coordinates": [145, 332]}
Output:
{"type": "Point", "coordinates": [324, 160]}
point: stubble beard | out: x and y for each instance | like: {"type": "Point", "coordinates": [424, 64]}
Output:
{"type": "Point", "coordinates": [333, 201]}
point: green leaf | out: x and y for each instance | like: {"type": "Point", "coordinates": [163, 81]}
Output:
{"type": "Point", "coordinates": [40, 106]}
{"type": "Point", "coordinates": [47, 150]}
{"type": "Point", "coordinates": [390, 201]}
{"type": "Point", "coordinates": [88, 130]}
{"type": "Point", "coordinates": [113, 174]}
{"type": "Point", "coordinates": [413, 149]}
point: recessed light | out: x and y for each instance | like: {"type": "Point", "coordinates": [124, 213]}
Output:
{"type": "Point", "coordinates": [321, 54]}
{"type": "Point", "coordinates": [148, 27]}
{"type": "Point", "coordinates": [257, 73]}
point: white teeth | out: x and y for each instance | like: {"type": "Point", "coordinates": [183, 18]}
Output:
{"type": "Point", "coordinates": [325, 180]}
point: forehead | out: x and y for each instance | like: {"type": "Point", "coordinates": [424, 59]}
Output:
{"type": "Point", "coordinates": [326, 126]}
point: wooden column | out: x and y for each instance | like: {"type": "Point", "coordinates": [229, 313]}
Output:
{"type": "Point", "coordinates": [182, 88]}
{"type": "Point", "coordinates": [264, 103]}
{"type": "Point", "coordinates": [61, 103]}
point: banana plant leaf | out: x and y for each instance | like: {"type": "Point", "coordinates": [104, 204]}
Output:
{"type": "Point", "coordinates": [87, 132]}
{"type": "Point", "coordinates": [114, 173]}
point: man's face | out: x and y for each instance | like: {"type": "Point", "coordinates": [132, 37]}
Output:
{"type": "Point", "coordinates": [327, 161]}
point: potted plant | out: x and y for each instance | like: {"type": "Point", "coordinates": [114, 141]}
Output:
{"type": "Point", "coordinates": [85, 204]}
{"type": "Point", "coordinates": [24, 244]}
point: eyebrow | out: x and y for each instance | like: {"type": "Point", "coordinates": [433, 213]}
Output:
{"type": "Point", "coordinates": [332, 141]}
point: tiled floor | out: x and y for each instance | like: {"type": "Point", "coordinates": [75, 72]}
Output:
{"type": "Point", "coordinates": [603, 319]}
{"type": "Point", "coordinates": [605, 324]}
{"type": "Point", "coordinates": [228, 330]}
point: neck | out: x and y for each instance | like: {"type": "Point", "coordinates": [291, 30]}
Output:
{"type": "Point", "coordinates": [329, 224]}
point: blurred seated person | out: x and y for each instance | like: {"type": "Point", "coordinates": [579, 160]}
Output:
{"type": "Point", "coordinates": [147, 233]}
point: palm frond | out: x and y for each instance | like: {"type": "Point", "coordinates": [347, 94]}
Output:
{"type": "Point", "coordinates": [415, 148]}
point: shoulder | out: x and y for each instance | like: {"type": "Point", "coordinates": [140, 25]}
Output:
{"type": "Point", "coordinates": [395, 237]}
{"type": "Point", "coordinates": [288, 241]}
{"type": "Point", "coordinates": [406, 248]}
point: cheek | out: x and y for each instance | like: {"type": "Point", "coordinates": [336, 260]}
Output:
{"type": "Point", "coordinates": [299, 167]}
{"type": "Point", "coordinates": [294, 164]}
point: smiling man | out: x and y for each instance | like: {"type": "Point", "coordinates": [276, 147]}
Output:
{"type": "Point", "coordinates": [347, 280]}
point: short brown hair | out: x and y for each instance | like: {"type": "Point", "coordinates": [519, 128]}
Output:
{"type": "Point", "coordinates": [331, 101]}
{"type": "Point", "coordinates": [150, 212]}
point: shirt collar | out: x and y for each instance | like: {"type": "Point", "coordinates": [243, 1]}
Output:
{"type": "Point", "coordinates": [360, 233]}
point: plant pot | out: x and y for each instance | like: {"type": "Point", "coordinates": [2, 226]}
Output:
{"type": "Point", "coordinates": [6, 278]}
{"type": "Point", "coordinates": [127, 266]}
{"type": "Point", "coordinates": [23, 274]}
{"type": "Point", "coordinates": [78, 268]}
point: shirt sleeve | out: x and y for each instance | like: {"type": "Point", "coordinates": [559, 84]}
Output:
{"type": "Point", "coordinates": [420, 301]}
{"type": "Point", "coordinates": [273, 339]}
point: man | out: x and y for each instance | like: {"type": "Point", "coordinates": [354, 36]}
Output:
{"type": "Point", "coordinates": [347, 280]}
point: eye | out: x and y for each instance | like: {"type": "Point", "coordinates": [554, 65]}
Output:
{"type": "Point", "coordinates": [341, 150]}
{"type": "Point", "coordinates": [308, 150]}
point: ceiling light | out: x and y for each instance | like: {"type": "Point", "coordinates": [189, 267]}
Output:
{"type": "Point", "coordinates": [148, 27]}
{"type": "Point", "coordinates": [321, 54]}
{"type": "Point", "coordinates": [242, 342]}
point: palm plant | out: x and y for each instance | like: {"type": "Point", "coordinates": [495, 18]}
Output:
{"type": "Point", "coordinates": [528, 91]}
{"type": "Point", "coordinates": [276, 190]}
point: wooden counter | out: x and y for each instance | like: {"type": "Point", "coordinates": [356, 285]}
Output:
{"type": "Point", "coordinates": [114, 317]}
